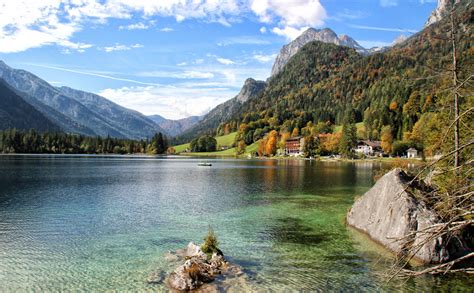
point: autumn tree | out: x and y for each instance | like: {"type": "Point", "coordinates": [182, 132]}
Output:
{"type": "Point", "coordinates": [295, 132]}
{"type": "Point", "coordinates": [283, 138]}
{"type": "Point", "coordinates": [241, 147]}
{"type": "Point", "coordinates": [271, 145]}
{"type": "Point", "coordinates": [387, 139]}
{"type": "Point", "coordinates": [311, 146]}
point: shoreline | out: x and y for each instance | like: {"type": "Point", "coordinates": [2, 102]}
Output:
{"type": "Point", "coordinates": [216, 156]}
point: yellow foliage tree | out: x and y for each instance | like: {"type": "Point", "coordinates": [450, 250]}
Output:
{"type": "Point", "coordinates": [283, 137]}
{"type": "Point", "coordinates": [387, 139]}
{"type": "Point", "coordinates": [296, 132]}
{"type": "Point", "coordinates": [330, 143]}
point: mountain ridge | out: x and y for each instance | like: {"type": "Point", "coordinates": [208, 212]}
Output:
{"type": "Point", "coordinates": [175, 127]}
{"type": "Point", "coordinates": [16, 113]}
{"type": "Point", "coordinates": [71, 114]}
{"type": "Point", "coordinates": [325, 35]}
{"type": "Point", "coordinates": [225, 111]}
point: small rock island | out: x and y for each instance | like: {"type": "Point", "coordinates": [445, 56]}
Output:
{"type": "Point", "coordinates": [202, 265]}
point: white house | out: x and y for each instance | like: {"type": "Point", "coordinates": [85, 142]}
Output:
{"type": "Point", "coordinates": [412, 153]}
{"type": "Point", "coordinates": [368, 147]}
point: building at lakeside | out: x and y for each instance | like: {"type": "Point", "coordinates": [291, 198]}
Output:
{"type": "Point", "coordinates": [294, 146]}
{"type": "Point", "coordinates": [369, 148]}
{"type": "Point", "coordinates": [412, 153]}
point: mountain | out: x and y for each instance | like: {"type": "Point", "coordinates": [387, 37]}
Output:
{"type": "Point", "coordinates": [17, 113]}
{"type": "Point", "coordinates": [175, 127]}
{"type": "Point", "coordinates": [324, 35]}
{"type": "Point", "coordinates": [328, 82]}
{"type": "Point", "coordinates": [130, 123]}
{"type": "Point", "coordinates": [443, 9]}
{"type": "Point", "coordinates": [76, 111]}
{"type": "Point", "coordinates": [225, 111]}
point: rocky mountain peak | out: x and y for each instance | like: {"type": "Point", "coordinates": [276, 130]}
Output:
{"type": "Point", "coordinates": [251, 88]}
{"type": "Point", "coordinates": [442, 10]}
{"type": "Point", "coordinates": [325, 35]}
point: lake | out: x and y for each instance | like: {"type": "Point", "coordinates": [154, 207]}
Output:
{"type": "Point", "coordinates": [97, 223]}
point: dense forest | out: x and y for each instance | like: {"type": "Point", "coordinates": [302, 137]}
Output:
{"type": "Point", "coordinates": [33, 142]}
{"type": "Point", "coordinates": [399, 95]}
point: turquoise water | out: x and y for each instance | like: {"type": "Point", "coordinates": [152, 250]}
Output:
{"type": "Point", "coordinates": [104, 223]}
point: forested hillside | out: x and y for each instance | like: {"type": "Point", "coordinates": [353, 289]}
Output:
{"type": "Point", "coordinates": [389, 91]}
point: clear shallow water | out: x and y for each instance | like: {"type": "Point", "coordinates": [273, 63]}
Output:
{"type": "Point", "coordinates": [104, 223]}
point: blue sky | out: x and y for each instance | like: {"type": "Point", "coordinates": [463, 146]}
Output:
{"type": "Point", "coordinates": [179, 58]}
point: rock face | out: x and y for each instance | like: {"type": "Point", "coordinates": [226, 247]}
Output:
{"type": "Point", "coordinates": [250, 89]}
{"type": "Point", "coordinates": [324, 35]}
{"type": "Point", "coordinates": [442, 10]}
{"type": "Point", "coordinates": [388, 212]}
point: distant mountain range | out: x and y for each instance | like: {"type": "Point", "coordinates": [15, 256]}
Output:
{"type": "Point", "coordinates": [175, 127]}
{"type": "Point", "coordinates": [75, 111]}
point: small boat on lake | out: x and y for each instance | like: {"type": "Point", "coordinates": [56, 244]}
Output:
{"type": "Point", "coordinates": [205, 164]}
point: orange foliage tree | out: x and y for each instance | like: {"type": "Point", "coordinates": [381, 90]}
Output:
{"type": "Point", "coordinates": [271, 145]}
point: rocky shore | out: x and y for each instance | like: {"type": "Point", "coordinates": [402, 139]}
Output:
{"type": "Point", "coordinates": [393, 216]}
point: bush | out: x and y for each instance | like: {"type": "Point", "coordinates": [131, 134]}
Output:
{"type": "Point", "coordinates": [210, 244]}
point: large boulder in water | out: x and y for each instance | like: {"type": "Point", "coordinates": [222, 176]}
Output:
{"type": "Point", "coordinates": [391, 215]}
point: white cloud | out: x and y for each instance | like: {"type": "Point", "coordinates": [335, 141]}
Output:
{"type": "Point", "coordinates": [388, 3]}
{"type": "Point", "coordinates": [119, 47]}
{"type": "Point", "coordinates": [263, 30]}
{"type": "Point", "coordinates": [291, 17]}
{"type": "Point", "coordinates": [262, 58]}
{"type": "Point", "coordinates": [17, 18]}
{"type": "Point", "coordinates": [225, 61]}
{"type": "Point", "coordinates": [290, 33]}
{"type": "Point", "coordinates": [134, 26]}
{"type": "Point", "coordinates": [105, 75]}
{"type": "Point", "coordinates": [187, 74]}
{"type": "Point", "coordinates": [166, 29]}
{"type": "Point", "coordinates": [243, 40]}
{"type": "Point", "coordinates": [26, 24]}
{"type": "Point", "coordinates": [386, 29]}
{"type": "Point", "coordinates": [349, 14]}
{"type": "Point", "coordinates": [172, 102]}
{"type": "Point", "coordinates": [182, 64]}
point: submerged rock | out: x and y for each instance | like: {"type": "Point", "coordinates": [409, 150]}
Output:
{"type": "Point", "coordinates": [156, 277]}
{"type": "Point", "coordinates": [391, 215]}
